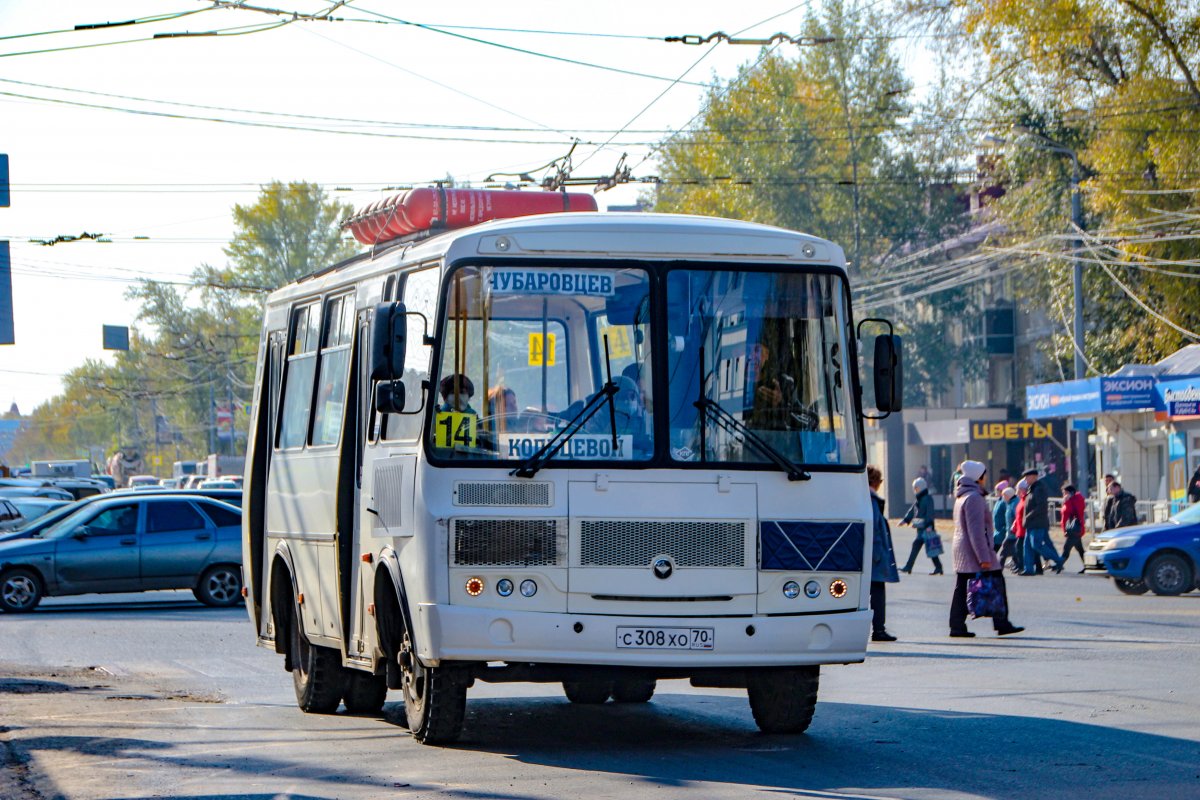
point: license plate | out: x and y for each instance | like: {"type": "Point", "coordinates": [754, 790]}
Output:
{"type": "Point", "coordinates": [1090, 560]}
{"type": "Point", "coordinates": [666, 638]}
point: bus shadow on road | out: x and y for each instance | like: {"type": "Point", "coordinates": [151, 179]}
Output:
{"type": "Point", "coordinates": [680, 739]}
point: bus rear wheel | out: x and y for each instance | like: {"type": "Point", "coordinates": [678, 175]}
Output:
{"type": "Point", "coordinates": [365, 693]}
{"type": "Point", "coordinates": [783, 700]}
{"type": "Point", "coordinates": [633, 691]}
{"type": "Point", "coordinates": [316, 673]}
{"type": "Point", "coordinates": [588, 693]}
{"type": "Point", "coordinates": [435, 698]}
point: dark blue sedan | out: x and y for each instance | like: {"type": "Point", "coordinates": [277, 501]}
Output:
{"type": "Point", "coordinates": [128, 543]}
{"type": "Point", "coordinates": [1161, 557]}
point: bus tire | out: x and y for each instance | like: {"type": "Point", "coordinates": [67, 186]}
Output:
{"type": "Point", "coordinates": [435, 698]}
{"type": "Point", "coordinates": [365, 693]}
{"type": "Point", "coordinates": [316, 673]}
{"type": "Point", "coordinates": [588, 693]}
{"type": "Point", "coordinates": [783, 700]}
{"type": "Point", "coordinates": [633, 691]}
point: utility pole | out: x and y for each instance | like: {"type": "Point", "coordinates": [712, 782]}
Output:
{"type": "Point", "coordinates": [1081, 436]}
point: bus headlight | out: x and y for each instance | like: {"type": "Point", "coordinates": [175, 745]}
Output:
{"type": "Point", "coordinates": [791, 590]}
{"type": "Point", "coordinates": [504, 587]}
{"type": "Point", "coordinates": [528, 588]}
{"type": "Point", "coordinates": [837, 589]}
{"type": "Point", "coordinates": [812, 589]}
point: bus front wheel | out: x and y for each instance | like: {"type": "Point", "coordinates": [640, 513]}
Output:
{"type": "Point", "coordinates": [435, 698]}
{"type": "Point", "coordinates": [316, 673]}
{"type": "Point", "coordinates": [783, 700]}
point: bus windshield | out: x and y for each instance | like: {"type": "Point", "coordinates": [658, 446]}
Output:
{"type": "Point", "coordinates": [769, 350]}
{"type": "Point", "coordinates": [523, 350]}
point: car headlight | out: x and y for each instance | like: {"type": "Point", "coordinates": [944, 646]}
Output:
{"type": "Point", "coordinates": [1121, 542]}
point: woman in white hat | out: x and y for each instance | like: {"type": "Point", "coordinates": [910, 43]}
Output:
{"type": "Point", "coordinates": [973, 553]}
{"type": "Point", "coordinates": [920, 514]}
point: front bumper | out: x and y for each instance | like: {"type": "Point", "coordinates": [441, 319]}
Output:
{"type": "Point", "coordinates": [454, 633]}
{"type": "Point", "coordinates": [1113, 563]}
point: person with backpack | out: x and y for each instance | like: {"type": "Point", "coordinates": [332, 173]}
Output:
{"type": "Point", "coordinates": [1072, 520]}
{"type": "Point", "coordinates": [920, 514]}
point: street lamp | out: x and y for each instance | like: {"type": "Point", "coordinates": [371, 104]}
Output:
{"type": "Point", "coordinates": [1040, 142]}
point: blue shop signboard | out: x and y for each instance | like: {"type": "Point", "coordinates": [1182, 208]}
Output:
{"type": "Point", "coordinates": [1091, 396]}
{"type": "Point", "coordinates": [1046, 400]}
{"type": "Point", "coordinates": [1180, 398]}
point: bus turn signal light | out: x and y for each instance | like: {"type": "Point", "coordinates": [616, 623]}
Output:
{"type": "Point", "coordinates": [474, 586]}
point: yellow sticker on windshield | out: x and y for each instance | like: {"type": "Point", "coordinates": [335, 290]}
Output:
{"type": "Point", "coordinates": [618, 340]}
{"type": "Point", "coordinates": [454, 429]}
{"type": "Point", "coordinates": [542, 351]}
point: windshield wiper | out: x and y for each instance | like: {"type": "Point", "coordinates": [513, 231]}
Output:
{"type": "Point", "coordinates": [736, 428]}
{"type": "Point", "coordinates": [544, 453]}
{"type": "Point", "coordinates": [530, 466]}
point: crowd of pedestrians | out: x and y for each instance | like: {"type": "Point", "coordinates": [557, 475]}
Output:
{"type": "Point", "coordinates": [1014, 532]}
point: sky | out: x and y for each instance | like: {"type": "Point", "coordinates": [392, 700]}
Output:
{"type": "Point", "coordinates": [150, 139]}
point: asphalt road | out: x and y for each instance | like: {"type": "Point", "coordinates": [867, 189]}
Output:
{"type": "Point", "coordinates": [154, 695]}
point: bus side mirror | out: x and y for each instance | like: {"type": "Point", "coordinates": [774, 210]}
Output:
{"type": "Point", "coordinates": [889, 374]}
{"type": "Point", "coordinates": [388, 342]}
{"type": "Point", "coordinates": [389, 397]}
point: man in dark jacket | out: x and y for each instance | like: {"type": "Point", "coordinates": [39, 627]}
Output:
{"type": "Point", "coordinates": [1037, 525]}
{"type": "Point", "coordinates": [1121, 509]}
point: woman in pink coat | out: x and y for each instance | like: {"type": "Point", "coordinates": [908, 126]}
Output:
{"type": "Point", "coordinates": [973, 549]}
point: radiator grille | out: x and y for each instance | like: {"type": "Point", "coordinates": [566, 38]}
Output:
{"type": "Point", "coordinates": [501, 493]}
{"type": "Point", "coordinates": [634, 543]}
{"type": "Point", "coordinates": [507, 542]}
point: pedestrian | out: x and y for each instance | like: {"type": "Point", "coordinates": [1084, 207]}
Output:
{"type": "Point", "coordinates": [1108, 498]}
{"type": "Point", "coordinates": [1120, 510]}
{"type": "Point", "coordinates": [999, 516]}
{"type": "Point", "coordinates": [973, 554]}
{"type": "Point", "coordinates": [1194, 487]}
{"type": "Point", "coordinates": [1037, 523]}
{"type": "Point", "coordinates": [883, 560]}
{"type": "Point", "coordinates": [1009, 548]}
{"type": "Point", "coordinates": [1073, 525]}
{"type": "Point", "coordinates": [1017, 526]}
{"type": "Point", "coordinates": [920, 514]}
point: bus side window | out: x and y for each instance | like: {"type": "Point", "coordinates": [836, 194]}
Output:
{"type": "Point", "coordinates": [298, 380]}
{"type": "Point", "coordinates": [335, 358]}
{"type": "Point", "coordinates": [420, 293]}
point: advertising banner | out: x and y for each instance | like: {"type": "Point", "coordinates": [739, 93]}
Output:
{"type": "Point", "coordinates": [1046, 400]}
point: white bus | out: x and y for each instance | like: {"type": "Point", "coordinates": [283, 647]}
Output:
{"type": "Point", "coordinates": [593, 449]}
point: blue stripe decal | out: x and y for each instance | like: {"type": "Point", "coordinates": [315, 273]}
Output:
{"type": "Point", "coordinates": [811, 546]}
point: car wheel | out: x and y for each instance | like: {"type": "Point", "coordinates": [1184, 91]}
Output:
{"type": "Point", "coordinates": [316, 673]}
{"type": "Point", "coordinates": [633, 691]}
{"type": "Point", "coordinates": [20, 590]}
{"type": "Point", "coordinates": [1169, 574]}
{"type": "Point", "coordinates": [588, 693]}
{"type": "Point", "coordinates": [435, 698]}
{"type": "Point", "coordinates": [783, 700]}
{"type": "Point", "coordinates": [365, 693]}
{"type": "Point", "coordinates": [220, 586]}
{"type": "Point", "coordinates": [1130, 587]}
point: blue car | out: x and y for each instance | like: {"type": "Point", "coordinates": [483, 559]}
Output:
{"type": "Point", "coordinates": [128, 543]}
{"type": "Point", "coordinates": [1161, 557]}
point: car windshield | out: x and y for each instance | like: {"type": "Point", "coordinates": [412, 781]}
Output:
{"type": "Point", "coordinates": [770, 349]}
{"type": "Point", "coordinates": [1189, 516]}
{"type": "Point", "coordinates": [524, 350]}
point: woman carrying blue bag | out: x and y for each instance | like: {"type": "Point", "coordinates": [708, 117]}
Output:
{"type": "Point", "coordinates": [975, 560]}
{"type": "Point", "coordinates": [920, 514]}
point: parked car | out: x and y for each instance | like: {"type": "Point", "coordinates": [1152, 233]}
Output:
{"type": "Point", "coordinates": [34, 488]}
{"type": "Point", "coordinates": [80, 487]}
{"type": "Point", "coordinates": [10, 516]}
{"type": "Point", "coordinates": [169, 483]}
{"type": "Point", "coordinates": [218, 483]}
{"type": "Point", "coordinates": [136, 481]}
{"type": "Point", "coordinates": [33, 507]}
{"type": "Point", "coordinates": [107, 480]}
{"type": "Point", "coordinates": [1161, 557]}
{"type": "Point", "coordinates": [128, 543]}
